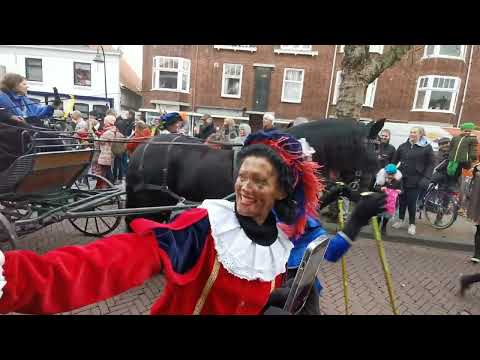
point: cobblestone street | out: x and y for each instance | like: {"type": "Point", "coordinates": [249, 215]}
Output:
{"type": "Point", "coordinates": [425, 279]}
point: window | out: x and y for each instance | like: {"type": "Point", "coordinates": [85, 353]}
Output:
{"type": "Point", "coordinates": [100, 109]}
{"type": "Point", "coordinates": [296, 50]}
{"type": "Point", "coordinates": [33, 69]}
{"type": "Point", "coordinates": [251, 48]}
{"type": "Point", "coordinates": [83, 108]}
{"type": "Point", "coordinates": [369, 94]}
{"type": "Point", "coordinates": [292, 85]}
{"type": "Point", "coordinates": [296, 47]}
{"type": "Point", "coordinates": [82, 74]}
{"type": "Point", "coordinates": [445, 51]}
{"type": "Point", "coordinates": [373, 49]}
{"type": "Point", "coordinates": [171, 73]}
{"type": "Point", "coordinates": [232, 80]}
{"type": "Point", "coordinates": [376, 49]}
{"type": "Point", "coordinates": [436, 93]}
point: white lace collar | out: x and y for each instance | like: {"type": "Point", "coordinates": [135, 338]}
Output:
{"type": "Point", "coordinates": [237, 253]}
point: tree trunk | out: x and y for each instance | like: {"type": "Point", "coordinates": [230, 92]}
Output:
{"type": "Point", "coordinates": [352, 88]}
{"type": "Point", "coordinates": [359, 69]}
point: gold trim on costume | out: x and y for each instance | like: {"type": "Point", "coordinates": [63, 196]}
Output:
{"type": "Point", "coordinates": [207, 287]}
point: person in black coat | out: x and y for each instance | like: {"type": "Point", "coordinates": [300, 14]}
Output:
{"type": "Point", "coordinates": [207, 128]}
{"type": "Point", "coordinates": [415, 159]}
{"type": "Point", "coordinates": [386, 150]}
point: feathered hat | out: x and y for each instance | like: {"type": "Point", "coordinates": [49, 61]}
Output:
{"type": "Point", "coordinates": [307, 182]}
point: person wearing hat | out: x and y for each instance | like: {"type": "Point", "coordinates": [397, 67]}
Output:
{"type": "Point", "coordinates": [440, 175]}
{"type": "Point", "coordinates": [463, 150]}
{"type": "Point", "coordinates": [220, 258]}
{"type": "Point", "coordinates": [207, 127]}
{"type": "Point", "coordinates": [171, 123]}
{"type": "Point", "coordinates": [389, 180]}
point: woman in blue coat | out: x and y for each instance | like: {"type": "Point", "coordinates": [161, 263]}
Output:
{"type": "Point", "coordinates": [13, 98]}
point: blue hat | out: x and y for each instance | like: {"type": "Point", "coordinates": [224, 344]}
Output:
{"type": "Point", "coordinates": [391, 169]}
{"type": "Point", "coordinates": [170, 118]}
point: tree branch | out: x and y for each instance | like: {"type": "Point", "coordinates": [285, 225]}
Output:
{"type": "Point", "coordinates": [379, 63]}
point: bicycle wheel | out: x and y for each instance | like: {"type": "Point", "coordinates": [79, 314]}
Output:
{"type": "Point", "coordinates": [441, 209]}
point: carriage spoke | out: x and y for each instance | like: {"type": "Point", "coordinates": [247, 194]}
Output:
{"type": "Point", "coordinates": [86, 224]}
{"type": "Point", "coordinates": [101, 218]}
{"type": "Point", "coordinates": [96, 225]}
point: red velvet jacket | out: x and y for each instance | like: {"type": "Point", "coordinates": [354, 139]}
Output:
{"type": "Point", "coordinates": [75, 276]}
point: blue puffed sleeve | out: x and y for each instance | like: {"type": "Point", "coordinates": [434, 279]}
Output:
{"type": "Point", "coordinates": [337, 247]}
{"type": "Point", "coordinates": [38, 111]}
{"type": "Point", "coordinates": [184, 246]}
{"type": "Point", "coordinates": [314, 230]}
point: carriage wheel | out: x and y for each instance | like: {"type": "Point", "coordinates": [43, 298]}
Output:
{"type": "Point", "coordinates": [102, 225]}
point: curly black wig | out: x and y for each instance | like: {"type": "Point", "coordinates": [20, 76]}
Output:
{"type": "Point", "coordinates": [284, 209]}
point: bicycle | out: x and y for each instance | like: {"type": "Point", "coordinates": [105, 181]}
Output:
{"type": "Point", "coordinates": [440, 206]}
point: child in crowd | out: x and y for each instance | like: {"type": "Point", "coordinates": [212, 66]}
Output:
{"type": "Point", "coordinates": [389, 180]}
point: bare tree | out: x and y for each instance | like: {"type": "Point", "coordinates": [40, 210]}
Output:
{"type": "Point", "coordinates": [359, 69]}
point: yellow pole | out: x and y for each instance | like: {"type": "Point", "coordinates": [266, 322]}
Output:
{"type": "Point", "coordinates": [383, 259]}
{"type": "Point", "coordinates": [341, 224]}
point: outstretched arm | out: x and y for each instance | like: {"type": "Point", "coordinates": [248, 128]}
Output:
{"type": "Point", "coordinates": [75, 276]}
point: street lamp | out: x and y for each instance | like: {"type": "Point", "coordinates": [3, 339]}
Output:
{"type": "Point", "coordinates": [101, 59]}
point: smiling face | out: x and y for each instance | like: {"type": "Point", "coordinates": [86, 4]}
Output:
{"type": "Point", "coordinates": [257, 188]}
{"type": "Point", "coordinates": [414, 135]}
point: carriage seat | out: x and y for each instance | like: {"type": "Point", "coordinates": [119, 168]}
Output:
{"type": "Point", "coordinates": [44, 172]}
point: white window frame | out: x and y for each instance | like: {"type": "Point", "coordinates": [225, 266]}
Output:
{"type": "Point", "coordinates": [250, 48]}
{"type": "Point", "coordinates": [179, 70]}
{"type": "Point", "coordinates": [41, 68]}
{"type": "Point", "coordinates": [223, 94]}
{"type": "Point", "coordinates": [296, 50]}
{"type": "Point", "coordinates": [373, 49]}
{"type": "Point", "coordinates": [370, 94]}
{"type": "Point", "coordinates": [436, 53]}
{"type": "Point", "coordinates": [283, 99]}
{"type": "Point", "coordinates": [369, 99]}
{"type": "Point", "coordinates": [428, 90]}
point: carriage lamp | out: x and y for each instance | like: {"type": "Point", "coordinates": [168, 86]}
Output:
{"type": "Point", "coordinates": [100, 58]}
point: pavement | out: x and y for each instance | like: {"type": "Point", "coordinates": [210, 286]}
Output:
{"type": "Point", "coordinates": [425, 279]}
{"type": "Point", "coordinates": [459, 236]}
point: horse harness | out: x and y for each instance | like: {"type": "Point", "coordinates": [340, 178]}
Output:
{"type": "Point", "coordinates": [144, 185]}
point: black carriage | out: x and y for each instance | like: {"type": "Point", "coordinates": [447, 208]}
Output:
{"type": "Point", "coordinates": [42, 188]}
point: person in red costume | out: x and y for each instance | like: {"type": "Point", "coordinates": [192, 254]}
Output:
{"type": "Point", "coordinates": [220, 258]}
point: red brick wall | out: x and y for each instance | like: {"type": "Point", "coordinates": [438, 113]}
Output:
{"type": "Point", "coordinates": [208, 80]}
{"type": "Point", "coordinates": [394, 95]}
{"type": "Point", "coordinates": [396, 87]}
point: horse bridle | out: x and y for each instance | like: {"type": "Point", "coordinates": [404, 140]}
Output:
{"type": "Point", "coordinates": [163, 187]}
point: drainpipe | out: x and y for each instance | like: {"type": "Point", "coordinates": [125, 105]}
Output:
{"type": "Point", "coordinates": [331, 81]}
{"type": "Point", "coordinates": [195, 79]}
{"type": "Point", "coordinates": [466, 85]}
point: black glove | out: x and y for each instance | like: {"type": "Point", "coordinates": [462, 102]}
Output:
{"type": "Point", "coordinates": [56, 102]}
{"type": "Point", "coordinates": [332, 194]}
{"type": "Point", "coordinates": [368, 206]}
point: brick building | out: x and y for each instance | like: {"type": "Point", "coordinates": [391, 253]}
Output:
{"type": "Point", "coordinates": [241, 81]}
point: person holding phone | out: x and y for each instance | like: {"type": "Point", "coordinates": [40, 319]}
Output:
{"type": "Point", "coordinates": [219, 258]}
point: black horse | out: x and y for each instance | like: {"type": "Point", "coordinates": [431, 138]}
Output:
{"type": "Point", "coordinates": [159, 174]}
